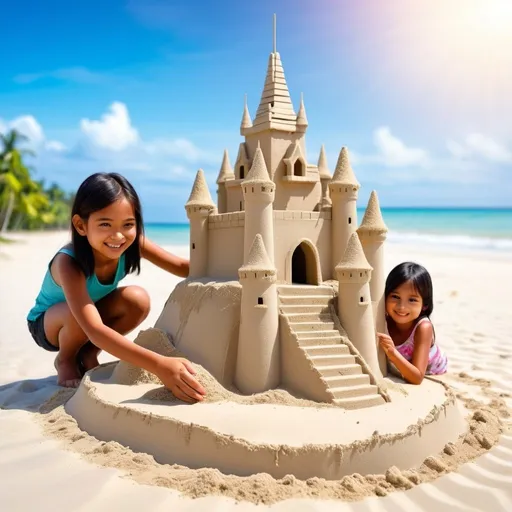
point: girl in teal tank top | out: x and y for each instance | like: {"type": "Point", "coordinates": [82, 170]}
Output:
{"type": "Point", "coordinates": [80, 309]}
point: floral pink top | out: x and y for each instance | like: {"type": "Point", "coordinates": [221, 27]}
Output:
{"type": "Point", "coordinates": [437, 360]}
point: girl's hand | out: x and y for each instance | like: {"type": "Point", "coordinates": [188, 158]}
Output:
{"type": "Point", "coordinates": [386, 344]}
{"type": "Point", "coordinates": [176, 373]}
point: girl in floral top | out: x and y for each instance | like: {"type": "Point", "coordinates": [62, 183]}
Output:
{"type": "Point", "coordinates": [410, 346]}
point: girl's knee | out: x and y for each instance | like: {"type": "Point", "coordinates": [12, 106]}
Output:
{"type": "Point", "coordinates": [138, 301]}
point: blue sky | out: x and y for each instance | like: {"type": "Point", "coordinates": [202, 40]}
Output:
{"type": "Point", "coordinates": [418, 91]}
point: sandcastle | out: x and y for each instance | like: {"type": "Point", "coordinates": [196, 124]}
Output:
{"type": "Point", "coordinates": [285, 291]}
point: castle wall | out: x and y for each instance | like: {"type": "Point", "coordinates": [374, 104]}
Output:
{"type": "Point", "coordinates": [291, 227]}
{"type": "Point", "coordinates": [304, 196]}
{"type": "Point", "coordinates": [225, 245]}
{"type": "Point", "coordinates": [234, 196]}
{"type": "Point", "coordinates": [203, 319]}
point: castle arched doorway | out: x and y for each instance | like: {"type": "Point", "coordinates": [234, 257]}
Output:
{"type": "Point", "coordinates": [305, 265]}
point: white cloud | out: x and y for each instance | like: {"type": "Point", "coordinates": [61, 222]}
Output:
{"type": "Point", "coordinates": [114, 131]}
{"type": "Point", "coordinates": [55, 145]}
{"type": "Point", "coordinates": [394, 152]}
{"type": "Point", "coordinates": [78, 74]}
{"type": "Point", "coordinates": [477, 144]}
{"type": "Point", "coordinates": [29, 126]}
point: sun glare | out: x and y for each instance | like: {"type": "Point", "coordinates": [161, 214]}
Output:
{"type": "Point", "coordinates": [493, 17]}
{"type": "Point", "coordinates": [498, 15]}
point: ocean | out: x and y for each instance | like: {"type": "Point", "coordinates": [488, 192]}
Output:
{"type": "Point", "coordinates": [456, 228]}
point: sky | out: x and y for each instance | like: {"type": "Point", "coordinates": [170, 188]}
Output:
{"type": "Point", "coordinates": [419, 91]}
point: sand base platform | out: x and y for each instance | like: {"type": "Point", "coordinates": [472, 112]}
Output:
{"type": "Point", "coordinates": [324, 442]}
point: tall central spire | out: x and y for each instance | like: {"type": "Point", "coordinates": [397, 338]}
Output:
{"type": "Point", "coordinates": [275, 107]}
{"type": "Point", "coordinates": [275, 36]}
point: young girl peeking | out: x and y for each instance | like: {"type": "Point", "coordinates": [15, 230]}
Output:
{"type": "Point", "coordinates": [410, 347]}
{"type": "Point", "coordinates": [80, 310]}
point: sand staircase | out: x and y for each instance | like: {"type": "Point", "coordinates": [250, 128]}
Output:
{"type": "Point", "coordinates": [306, 308]}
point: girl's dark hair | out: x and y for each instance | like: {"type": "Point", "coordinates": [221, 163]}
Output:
{"type": "Point", "coordinates": [97, 192]}
{"type": "Point", "coordinates": [421, 280]}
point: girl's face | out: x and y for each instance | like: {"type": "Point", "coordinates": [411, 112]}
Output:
{"type": "Point", "coordinates": [404, 304]}
{"type": "Point", "coordinates": [112, 230]}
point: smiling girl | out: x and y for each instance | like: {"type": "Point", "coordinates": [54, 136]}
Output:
{"type": "Point", "coordinates": [80, 310]}
{"type": "Point", "coordinates": [411, 347]}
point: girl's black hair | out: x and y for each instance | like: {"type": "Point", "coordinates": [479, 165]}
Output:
{"type": "Point", "coordinates": [421, 280]}
{"type": "Point", "coordinates": [97, 192]}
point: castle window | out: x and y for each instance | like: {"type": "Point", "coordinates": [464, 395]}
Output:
{"type": "Point", "coordinates": [361, 299]}
{"type": "Point", "coordinates": [271, 103]}
{"type": "Point", "coordinates": [350, 220]}
{"type": "Point", "coordinates": [242, 172]}
{"type": "Point", "coordinates": [240, 205]}
{"type": "Point", "coordinates": [298, 168]}
{"type": "Point", "coordinates": [193, 245]}
{"type": "Point", "coordinates": [360, 274]}
{"type": "Point", "coordinates": [350, 274]}
{"type": "Point", "coordinates": [260, 301]}
{"type": "Point", "coordinates": [253, 189]}
{"type": "Point", "coordinates": [263, 189]}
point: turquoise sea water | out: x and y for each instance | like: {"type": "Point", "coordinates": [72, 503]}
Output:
{"type": "Point", "coordinates": [465, 228]}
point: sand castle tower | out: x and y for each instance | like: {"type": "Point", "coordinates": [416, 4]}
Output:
{"type": "Point", "coordinates": [259, 192]}
{"type": "Point", "coordinates": [354, 301]}
{"type": "Point", "coordinates": [257, 364]}
{"type": "Point", "coordinates": [343, 190]}
{"type": "Point", "coordinates": [372, 233]}
{"type": "Point", "coordinates": [226, 173]}
{"type": "Point", "coordinates": [199, 207]}
{"type": "Point", "coordinates": [325, 178]}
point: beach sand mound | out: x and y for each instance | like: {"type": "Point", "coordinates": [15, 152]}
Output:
{"type": "Point", "coordinates": [484, 430]}
{"type": "Point", "coordinates": [160, 342]}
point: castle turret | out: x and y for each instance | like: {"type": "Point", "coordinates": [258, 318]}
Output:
{"type": "Point", "coordinates": [302, 120]}
{"type": "Point", "coordinates": [226, 173]}
{"type": "Point", "coordinates": [325, 178]}
{"type": "Point", "coordinates": [354, 302]}
{"type": "Point", "coordinates": [246, 118]}
{"type": "Point", "coordinates": [259, 192]}
{"type": "Point", "coordinates": [343, 189]}
{"type": "Point", "coordinates": [258, 363]}
{"type": "Point", "coordinates": [372, 233]}
{"type": "Point", "coordinates": [199, 207]}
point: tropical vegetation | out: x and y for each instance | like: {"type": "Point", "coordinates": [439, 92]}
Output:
{"type": "Point", "coordinates": [26, 203]}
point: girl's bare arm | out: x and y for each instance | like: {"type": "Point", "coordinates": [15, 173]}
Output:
{"type": "Point", "coordinates": [414, 371]}
{"type": "Point", "coordinates": [163, 259]}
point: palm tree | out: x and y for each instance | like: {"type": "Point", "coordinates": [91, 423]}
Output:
{"type": "Point", "coordinates": [14, 176]}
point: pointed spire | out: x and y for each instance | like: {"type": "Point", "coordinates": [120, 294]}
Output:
{"type": "Point", "coordinates": [246, 118]}
{"type": "Point", "coordinates": [258, 172]}
{"type": "Point", "coordinates": [372, 220]}
{"type": "Point", "coordinates": [226, 171]}
{"type": "Point", "coordinates": [343, 174]}
{"type": "Point", "coordinates": [275, 105]}
{"type": "Point", "coordinates": [302, 120]}
{"type": "Point", "coordinates": [275, 34]}
{"type": "Point", "coordinates": [200, 195]}
{"type": "Point", "coordinates": [354, 258]}
{"type": "Point", "coordinates": [323, 168]}
{"type": "Point", "coordinates": [258, 258]}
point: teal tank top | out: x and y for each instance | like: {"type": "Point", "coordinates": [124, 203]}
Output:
{"type": "Point", "coordinates": [51, 293]}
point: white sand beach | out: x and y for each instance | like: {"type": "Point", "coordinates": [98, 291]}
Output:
{"type": "Point", "coordinates": [44, 472]}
